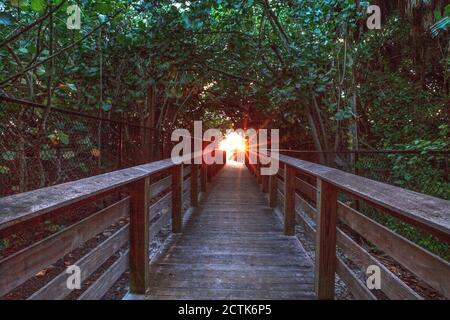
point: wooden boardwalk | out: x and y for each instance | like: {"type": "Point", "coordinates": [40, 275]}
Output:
{"type": "Point", "coordinates": [232, 247]}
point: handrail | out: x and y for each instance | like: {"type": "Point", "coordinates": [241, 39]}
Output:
{"type": "Point", "coordinates": [24, 206]}
{"type": "Point", "coordinates": [309, 197]}
{"type": "Point", "coordinates": [427, 212]}
{"type": "Point", "coordinates": [140, 221]}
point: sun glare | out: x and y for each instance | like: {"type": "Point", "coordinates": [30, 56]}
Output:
{"type": "Point", "coordinates": [233, 142]}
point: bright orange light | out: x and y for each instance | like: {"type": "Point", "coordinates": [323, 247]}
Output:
{"type": "Point", "coordinates": [233, 142]}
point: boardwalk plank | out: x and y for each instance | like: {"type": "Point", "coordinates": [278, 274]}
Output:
{"type": "Point", "coordinates": [232, 247]}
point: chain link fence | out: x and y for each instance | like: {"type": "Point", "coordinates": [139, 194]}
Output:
{"type": "Point", "coordinates": [40, 148]}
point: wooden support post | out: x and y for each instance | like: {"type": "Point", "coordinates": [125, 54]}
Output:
{"type": "Point", "coordinates": [194, 185]}
{"type": "Point", "coordinates": [203, 170]}
{"type": "Point", "coordinates": [177, 198]}
{"type": "Point", "coordinates": [289, 201]}
{"type": "Point", "coordinates": [273, 181]}
{"type": "Point", "coordinates": [325, 240]}
{"type": "Point", "coordinates": [208, 173]}
{"type": "Point", "coordinates": [203, 177]}
{"type": "Point", "coordinates": [265, 183]}
{"type": "Point", "coordinates": [139, 235]}
{"type": "Point", "coordinates": [258, 173]}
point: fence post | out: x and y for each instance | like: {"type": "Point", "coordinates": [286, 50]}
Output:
{"type": "Point", "coordinates": [177, 198]}
{"type": "Point", "coordinates": [194, 185]}
{"type": "Point", "coordinates": [139, 235]}
{"type": "Point", "coordinates": [258, 170]}
{"type": "Point", "coordinates": [273, 190]}
{"type": "Point", "coordinates": [265, 181]}
{"type": "Point", "coordinates": [325, 267]}
{"type": "Point", "coordinates": [289, 200]}
{"type": "Point", "coordinates": [203, 170]}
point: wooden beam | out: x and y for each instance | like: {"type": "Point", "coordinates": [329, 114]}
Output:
{"type": "Point", "coordinates": [289, 201]}
{"type": "Point", "coordinates": [265, 183]}
{"type": "Point", "coordinates": [20, 266]}
{"type": "Point", "coordinates": [273, 190]}
{"type": "Point", "coordinates": [194, 185]}
{"type": "Point", "coordinates": [203, 177]}
{"type": "Point", "coordinates": [139, 235]}
{"type": "Point", "coordinates": [424, 211]}
{"type": "Point", "coordinates": [325, 240]}
{"type": "Point", "coordinates": [177, 198]}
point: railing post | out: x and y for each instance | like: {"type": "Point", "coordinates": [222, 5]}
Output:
{"type": "Point", "coordinates": [265, 181]}
{"type": "Point", "coordinates": [325, 240]}
{"type": "Point", "coordinates": [289, 201]}
{"type": "Point", "coordinates": [203, 177]}
{"type": "Point", "coordinates": [139, 235]}
{"type": "Point", "coordinates": [258, 171]}
{"type": "Point", "coordinates": [273, 187]}
{"type": "Point", "coordinates": [194, 185]}
{"type": "Point", "coordinates": [177, 197]}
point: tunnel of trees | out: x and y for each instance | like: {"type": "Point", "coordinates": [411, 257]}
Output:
{"type": "Point", "coordinates": [80, 97]}
{"type": "Point", "coordinates": [310, 68]}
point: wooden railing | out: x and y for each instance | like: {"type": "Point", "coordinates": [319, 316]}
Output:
{"type": "Point", "coordinates": [151, 196]}
{"type": "Point", "coordinates": [308, 195]}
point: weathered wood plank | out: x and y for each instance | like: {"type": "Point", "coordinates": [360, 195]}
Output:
{"type": "Point", "coordinates": [392, 286]}
{"type": "Point", "coordinates": [186, 185]}
{"type": "Point", "coordinates": [305, 188]}
{"type": "Point", "coordinates": [194, 186]}
{"type": "Point", "coordinates": [232, 240]}
{"type": "Point", "coordinates": [289, 201]}
{"type": "Point", "coordinates": [273, 191]}
{"type": "Point", "coordinates": [161, 204]}
{"type": "Point", "coordinates": [356, 286]}
{"type": "Point", "coordinates": [305, 207]}
{"type": "Point", "coordinates": [280, 185]}
{"type": "Point", "coordinates": [24, 206]}
{"type": "Point", "coordinates": [57, 289]}
{"type": "Point", "coordinates": [160, 186]}
{"type": "Point", "coordinates": [429, 213]}
{"type": "Point", "coordinates": [177, 198]}
{"type": "Point", "coordinates": [22, 265]}
{"type": "Point", "coordinates": [139, 235]}
{"type": "Point", "coordinates": [186, 171]}
{"type": "Point", "coordinates": [107, 279]}
{"type": "Point", "coordinates": [428, 267]}
{"type": "Point", "coordinates": [325, 240]}
{"type": "Point", "coordinates": [156, 227]}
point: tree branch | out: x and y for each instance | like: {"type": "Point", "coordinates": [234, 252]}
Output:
{"type": "Point", "coordinates": [30, 26]}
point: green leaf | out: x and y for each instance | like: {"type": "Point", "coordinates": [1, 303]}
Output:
{"type": "Point", "coordinates": [38, 5]}
{"type": "Point", "coordinates": [23, 50]}
{"type": "Point", "coordinates": [40, 70]}
{"type": "Point", "coordinates": [71, 86]}
{"type": "Point", "coordinates": [68, 155]}
{"type": "Point", "coordinates": [4, 169]}
{"type": "Point", "coordinates": [6, 19]}
{"type": "Point", "coordinates": [103, 7]}
{"type": "Point", "coordinates": [64, 138]}
{"type": "Point", "coordinates": [106, 106]}
{"type": "Point", "coordinates": [9, 155]}
{"type": "Point", "coordinates": [47, 154]}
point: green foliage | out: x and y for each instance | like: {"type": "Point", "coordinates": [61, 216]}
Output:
{"type": "Point", "coordinates": [4, 244]}
{"type": "Point", "coordinates": [291, 65]}
{"type": "Point", "coordinates": [6, 19]}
